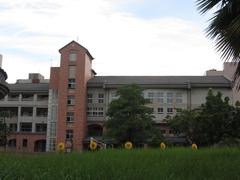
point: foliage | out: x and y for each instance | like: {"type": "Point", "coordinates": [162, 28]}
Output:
{"type": "Point", "coordinates": [224, 27]}
{"type": "Point", "coordinates": [215, 121]}
{"type": "Point", "coordinates": [4, 129]}
{"type": "Point", "coordinates": [185, 122]}
{"type": "Point", "coordinates": [128, 117]}
{"type": "Point", "coordinates": [154, 164]}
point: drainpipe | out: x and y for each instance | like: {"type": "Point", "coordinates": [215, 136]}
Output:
{"type": "Point", "coordinates": [189, 96]}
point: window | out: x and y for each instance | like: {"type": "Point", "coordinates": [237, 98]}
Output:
{"type": "Point", "coordinates": [42, 112]}
{"type": "Point", "coordinates": [70, 116]}
{"type": "Point", "coordinates": [101, 98]}
{"type": "Point", "coordinates": [70, 100]}
{"type": "Point", "coordinates": [169, 98]}
{"type": "Point", "coordinates": [41, 127]}
{"type": "Point", "coordinates": [42, 97]}
{"type": "Point", "coordinates": [72, 57]}
{"type": "Point", "coordinates": [90, 98]}
{"type": "Point", "coordinates": [160, 96]}
{"type": "Point", "coordinates": [13, 97]}
{"type": "Point", "coordinates": [69, 134]}
{"type": "Point", "coordinates": [114, 95]}
{"type": "Point", "coordinates": [150, 96]}
{"type": "Point", "coordinates": [100, 112]}
{"type": "Point", "coordinates": [95, 112]}
{"type": "Point", "coordinates": [24, 142]}
{"type": "Point", "coordinates": [169, 110]}
{"type": "Point", "coordinates": [179, 99]}
{"type": "Point", "coordinates": [160, 110]}
{"type": "Point", "coordinates": [90, 111]}
{"type": "Point", "coordinates": [26, 111]}
{"type": "Point", "coordinates": [27, 97]}
{"type": "Point", "coordinates": [71, 83]}
{"type": "Point", "coordinates": [13, 127]}
{"type": "Point", "coordinates": [26, 127]}
{"type": "Point", "coordinates": [152, 110]}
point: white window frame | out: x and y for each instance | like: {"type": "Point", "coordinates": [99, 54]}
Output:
{"type": "Point", "coordinates": [160, 96]}
{"type": "Point", "coordinates": [100, 98]}
{"type": "Point", "coordinates": [90, 98]}
{"type": "Point", "coordinates": [70, 117]}
{"type": "Point", "coordinates": [114, 95]}
{"type": "Point", "coordinates": [179, 98]}
{"type": "Point", "coordinates": [150, 96]}
{"type": "Point", "coordinates": [90, 112]}
{"type": "Point", "coordinates": [71, 83]}
{"type": "Point", "coordinates": [95, 111]}
{"type": "Point", "coordinates": [71, 100]}
{"type": "Point", "coordinates": [170, 112]}
{"type": "Point", "coordinates": [69, 134]}
{"type": "Point", "coordinates": [160, 112]}
{"type": "Point", "coordinates": [169, 98]}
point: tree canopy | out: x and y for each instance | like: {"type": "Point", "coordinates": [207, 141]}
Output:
{"type": "Point", "coordinates": [128, 117]}
{"type": "Point", "coordinates": [212, 123]}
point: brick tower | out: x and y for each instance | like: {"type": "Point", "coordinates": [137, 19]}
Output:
{"type": "Point", "coordinates": [67, 97]}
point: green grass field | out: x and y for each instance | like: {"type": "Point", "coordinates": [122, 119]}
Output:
{"type": "Point", "coordinates": [174, 164]}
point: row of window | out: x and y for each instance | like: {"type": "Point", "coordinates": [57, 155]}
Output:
{"type": "Point", "coordinates": [26, 97]}
{"type": "Point", "coordinates": [165, 97]}
{"type": "Point", "coordinates": [160, 110]}
{"type": "Point", "coordinates": [26, 111]}
{"type": "Point", "coordinates": [160, 96]}
{"type": "Point", "coordinates": [27, 127]}
{"type": "Point", "coordinates": [95, 111]}
{"type": "Point", "coordinates": [91, 112]}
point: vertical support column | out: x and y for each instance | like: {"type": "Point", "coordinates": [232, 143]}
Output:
{"type": "Point", "coordinates": [35, 98]}
{"type": "Point", "coordinates": [20, 97]}
{"type": "Point", "coordinates": [34, 118]}
{"type": "Point", "coordinates": [18, 118]}
{"type": "Point", "coordinates": [189, 96]}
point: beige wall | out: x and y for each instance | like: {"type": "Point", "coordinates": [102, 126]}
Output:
{"type": "Point", "coordinates": [198, 97]}
{"type": "Point", "coordinates": [228, 71]}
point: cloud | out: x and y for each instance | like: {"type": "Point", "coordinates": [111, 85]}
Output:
{"type": "Point", "coordinates": [122, 43]}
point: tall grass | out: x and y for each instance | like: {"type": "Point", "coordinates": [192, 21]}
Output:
{"type": "Point", "coordinates": [172, 164]}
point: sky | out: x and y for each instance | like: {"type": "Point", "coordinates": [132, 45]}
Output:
{"type": "Point", "coordinates": [126, 37]}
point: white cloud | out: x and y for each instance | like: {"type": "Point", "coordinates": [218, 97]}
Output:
{"type": "Point", "coordinates": [121, 43]}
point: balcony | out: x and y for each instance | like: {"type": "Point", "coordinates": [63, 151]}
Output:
{"type": "Point", "coordinates": [27, 97]}
{"type": "Point", "coordinates": [42, 97]}
{"type": "Point", "coordinates": [27, 112]}
{"type": "Point", "coordinates": [13, 97]}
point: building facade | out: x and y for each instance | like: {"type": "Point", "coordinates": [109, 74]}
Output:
{"type": "Point", "coordinates": [228, 71]}
{"type": "Point", "coordinates": [71, 107]}
{"type": "Point", "coordinates": [27, 107]}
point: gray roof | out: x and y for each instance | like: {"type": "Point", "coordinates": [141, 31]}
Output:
{"type": "Point", "coordinates": [160, 81]}
{"type": "Point", "coordinates": [28, 87]}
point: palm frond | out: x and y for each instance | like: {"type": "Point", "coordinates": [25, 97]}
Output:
{"type": "Point", "coordinates": [224, 29]}
{"type": "Point", "coordinates": [205, 5]}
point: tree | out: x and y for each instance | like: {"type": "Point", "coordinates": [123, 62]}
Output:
{"type": "Point", "coordinates": [185, 123]}
{"type": "Point", "coordinates": [224, 28]}
{"type": "Point", "coordinates": [216, 119]}
{"type": "Point", "coordinates": [4, 129]}
{"type": "Point", "coordinates": [128, 117]}
{"type": "Point", "coordinates": [213, 122]}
